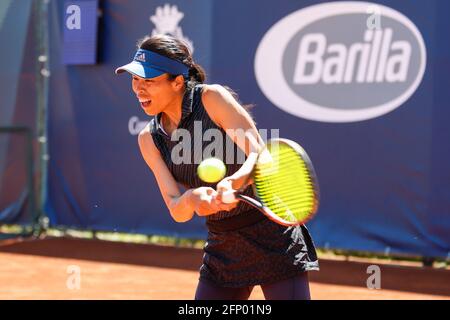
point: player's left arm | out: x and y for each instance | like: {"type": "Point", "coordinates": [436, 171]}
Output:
{"type": "Point", "coordinates": [228, 114]}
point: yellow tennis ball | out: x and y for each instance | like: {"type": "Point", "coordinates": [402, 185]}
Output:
{"type": "Point", "coordinates": [211, 170]}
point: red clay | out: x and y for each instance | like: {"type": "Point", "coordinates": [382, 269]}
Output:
{"type": "Point", "coordinates": [41, 269]}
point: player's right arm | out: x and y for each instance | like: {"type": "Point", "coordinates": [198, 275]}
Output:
{"type": "Point", "coordinates": [182, 207]}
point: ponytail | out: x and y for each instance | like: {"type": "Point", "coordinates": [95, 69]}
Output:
{"type": "Point", "coordinates": [197, 73]}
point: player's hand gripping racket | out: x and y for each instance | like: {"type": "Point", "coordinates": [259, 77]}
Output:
{"type": "Point", "coordinates": [284, 183]}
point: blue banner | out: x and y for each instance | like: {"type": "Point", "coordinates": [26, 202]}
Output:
{"type": "Point", "coordinates": [361, 86]}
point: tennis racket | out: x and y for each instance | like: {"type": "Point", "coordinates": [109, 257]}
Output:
{"type": "Point", "coordinates": [284, 183]}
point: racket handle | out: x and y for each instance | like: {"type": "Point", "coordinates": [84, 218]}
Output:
{"type": "Point", "coordinates": [228, 196]}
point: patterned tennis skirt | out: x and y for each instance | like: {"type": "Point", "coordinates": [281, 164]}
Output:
{"type": "Point", "coordinates": [261, 253]}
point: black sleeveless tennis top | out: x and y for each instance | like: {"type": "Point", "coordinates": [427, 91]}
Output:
{"type": "Point", "coordinates": [197, 125]}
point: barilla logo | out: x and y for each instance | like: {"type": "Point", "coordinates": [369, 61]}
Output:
{"type": "Point", "coordinates": [140, 57]}
{"type": "Point", "coordinates": [341, 61]}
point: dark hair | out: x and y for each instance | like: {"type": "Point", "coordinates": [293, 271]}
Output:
{"type": "Point", "coordinates": [177, 49]}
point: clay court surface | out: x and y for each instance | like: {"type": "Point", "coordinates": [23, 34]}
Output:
{"type": "Point", "coordinates": [38, 269]}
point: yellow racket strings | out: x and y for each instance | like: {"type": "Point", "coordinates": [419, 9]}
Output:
{"type": "Point", "coordinates": [284, 184]}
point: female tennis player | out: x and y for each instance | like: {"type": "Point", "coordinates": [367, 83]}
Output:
{"type": "Point", "coordinates": [243, 248]}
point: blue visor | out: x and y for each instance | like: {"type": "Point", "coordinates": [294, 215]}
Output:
{"type": "Point", "coordinates": [147, 64]}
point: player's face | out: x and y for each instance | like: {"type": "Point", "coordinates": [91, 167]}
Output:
{"type": "Point", "coordinates": [157, 94]}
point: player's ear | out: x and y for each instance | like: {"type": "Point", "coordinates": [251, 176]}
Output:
{"type": "Point", "coordinates": [178, 83]}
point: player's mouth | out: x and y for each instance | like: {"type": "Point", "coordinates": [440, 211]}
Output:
{"type": "Point", "coordinates": [145, 103]}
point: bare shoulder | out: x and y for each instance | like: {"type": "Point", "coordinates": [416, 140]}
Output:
{"type": "Point", "coordinates": [146, 142]}
{"type": "Point", "coordinates": [214, 93]}
{"type": "Point", "coordinates": [145, 133]}
{"type": "Point", "coordinates": [219, 103]}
